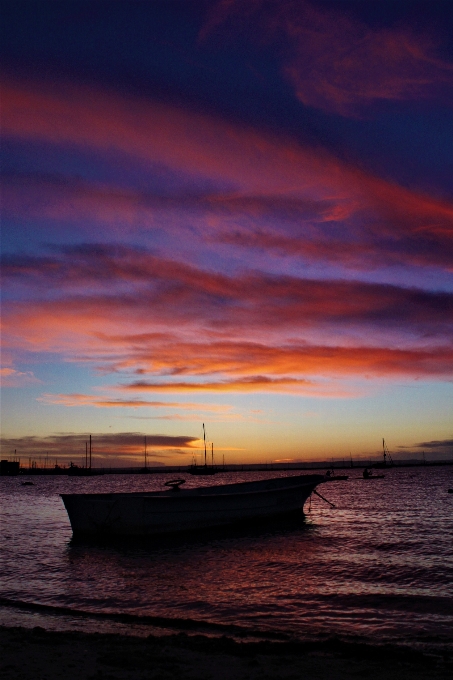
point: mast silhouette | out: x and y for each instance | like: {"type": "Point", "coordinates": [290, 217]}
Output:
{"type": "Point", "coordinates": [204, 440]}
{"type": "Point", "coordinates": [386, 453]}
{"type": "Point", "coordinates": [204, 469]}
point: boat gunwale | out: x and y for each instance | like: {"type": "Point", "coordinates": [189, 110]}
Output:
{"type": "Point", "coordinates": [214, 491]}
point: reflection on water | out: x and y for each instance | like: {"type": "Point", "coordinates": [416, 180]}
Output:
{"type": "Point", "coordinates": [379, 564]}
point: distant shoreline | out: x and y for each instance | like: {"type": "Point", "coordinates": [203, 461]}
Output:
{"type": "Point", "coordinates": [246, 467]}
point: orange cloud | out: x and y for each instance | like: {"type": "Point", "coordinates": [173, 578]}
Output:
{"type": "Point", "coordinates": [236, 358]}
{"type": "Point", "coordinates": [247, 384]}
{"type": "Point", "coordinates": [248, 332]}
{"type": "Point", "coordinates": [252, 383]}
{"type": "Point", "coordinates": [98, 402]}
{"type": "Point", "coordinates": [201, 411]}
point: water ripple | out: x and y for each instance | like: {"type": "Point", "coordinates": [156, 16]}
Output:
{"type": "Point", "coordinates": [379, 565]}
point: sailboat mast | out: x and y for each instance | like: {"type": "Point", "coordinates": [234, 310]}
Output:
{"type": "Point", "coordinates": [212, 454]}
{"type": "Point", "coordinates": [204, 440]}
{"type": "Point", "coordinates": [145, 453]}
{"type": "Point", "coordinates": [90, 451]}
{"type": "Point", "coordinates": [387, 454]}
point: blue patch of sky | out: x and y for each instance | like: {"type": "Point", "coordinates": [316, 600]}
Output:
{"type": "Point", "coordinates": [410, 144]}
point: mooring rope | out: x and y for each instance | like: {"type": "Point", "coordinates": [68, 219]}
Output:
{"type": "Point", "coordinates": [324, 499]}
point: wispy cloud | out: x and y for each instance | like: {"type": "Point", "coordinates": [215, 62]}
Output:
{"type": "Point", "coordinates": [334, 61]}
{"type": "Point", "coordinates": [251, 383]}
{"type": "Point", "coordinates": [439, 445]}
{"type": "Point", "coordinates": [169, 322]}
{"type": "Point", "coordinates": [236, 184]}
{"type": "Point", "coordinates": [99, 402]}
{"type": "Point", "coordinates": [174, 290]}
{"type": "Point", "coordinates": [11, 377]}
{"type": "Point", "coordinates": [309, 360]}
{"type": "Point", "coordinates": [250, 332]}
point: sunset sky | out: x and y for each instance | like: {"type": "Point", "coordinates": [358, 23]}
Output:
{"type": "Point", "coordinates": [236, 213]}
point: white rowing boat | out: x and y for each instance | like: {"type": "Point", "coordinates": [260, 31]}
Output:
{"type": "Point", "coordinates": [176, 509]}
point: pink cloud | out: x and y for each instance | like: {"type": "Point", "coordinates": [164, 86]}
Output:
{"type": "Point", "coordinates": [200, 145]}
{"type": "Point", "coordinates": [252, 332]}
{"type": "Point", "coordinates": [185, 297]}
{"type": "Point", "coordinates": [265, 191]}
{"type": "Point", "coordinates": [10, 377]}
{"type": "Point", "coordinates": [177, 328]}
{"type": "Point", "coordinates": [334, 61]}
{"type": "Point", "coordinates": [142, 313]}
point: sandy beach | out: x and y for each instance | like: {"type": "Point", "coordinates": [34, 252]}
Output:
{"type": "Point", "coordinates": [37, 654]}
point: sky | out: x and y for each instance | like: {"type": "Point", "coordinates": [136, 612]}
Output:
{"type": "Point", "coordinates": [237, 214]}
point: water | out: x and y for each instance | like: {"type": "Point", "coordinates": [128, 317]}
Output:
{"type": "Point", "coordinates": [378, 566]}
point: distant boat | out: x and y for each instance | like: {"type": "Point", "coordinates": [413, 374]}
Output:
{"type": "Point", "coordinates": [77, 471]}
{"type": "Point", "coordinates": [368, 475]}
{"type": "Point", "coordinates": [204, 469]}
{"type": "Point", "coordinates": [176, 509]}
{"type": "Point", "coordinates": [387, 460]}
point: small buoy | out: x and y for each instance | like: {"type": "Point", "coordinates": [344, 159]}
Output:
{"type": "Point", "coordinates": [27, 483]}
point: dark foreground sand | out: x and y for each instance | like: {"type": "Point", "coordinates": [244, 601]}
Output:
{"type": "Point", "coordinates": [37, 654]}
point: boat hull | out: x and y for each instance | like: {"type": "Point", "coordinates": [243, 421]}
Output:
{"type": "Point", "coordinates": [144, 514]}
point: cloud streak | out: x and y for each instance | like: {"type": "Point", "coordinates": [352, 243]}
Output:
{"type": "Point", "coordinates": [440, 445]}
{"type": "Point", "coordinates": [76, 399]}
{"type": "Point", "coordinates": [235, 184]}
{"type": "Point", "coordinates": [236, 359]}
{"type": "Point", "coordinates": [248, 333]}
{"type": "Point", "coordinates": [79, 276]}
{"type": "Point", "coordinates": [203, 332]}
{"type": "Point", "coordinates": [10, 377]}
{"type": "Point", "coordinates": [128, 446]}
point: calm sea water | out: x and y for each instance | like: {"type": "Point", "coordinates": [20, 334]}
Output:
{"type": "Point", "coordinates": [379, 565]}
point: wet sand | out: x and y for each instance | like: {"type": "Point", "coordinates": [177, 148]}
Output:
{"type": "Point", "coordinates": [37, 654]}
